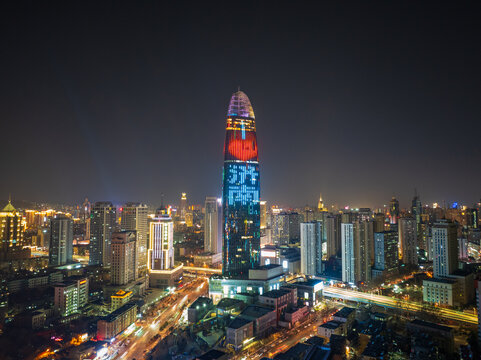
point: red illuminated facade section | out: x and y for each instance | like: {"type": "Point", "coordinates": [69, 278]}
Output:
{"type": "Point", "coordinates": [241, 140]}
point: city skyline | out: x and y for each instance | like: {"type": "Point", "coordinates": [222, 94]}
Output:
{"type": "Point", "coordinates": [332, 119]}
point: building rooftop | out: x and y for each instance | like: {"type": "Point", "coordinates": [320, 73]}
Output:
{"type": "Point", "coordinates": [112, 316]}
{"type": "Point", "coordinates": [344, 312]}
{"type": "Point", "coordinates": [442, 280]}
{"type": "Point", "coordinates": [274, 294]}
{"type": "Point", "coordinates": [431, 325]}
{"type": "Point", "coordinates": [211, 355]}
{"type": "Point", "coordinates": [330, 325]}
{"type": "Point", "coordinates": [201, 301]}
{"type": "Point", "coordinates": [226, 303]}
{"type": "Point", "coordinates": [255, 311]}
{"type": "Point", "coordinates": [238, 322]}
{"type": "Point", "coordinates": [240, 105]}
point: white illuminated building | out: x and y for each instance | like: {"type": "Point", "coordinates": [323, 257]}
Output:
{"type": "Point", "coordinates": [161, 249]}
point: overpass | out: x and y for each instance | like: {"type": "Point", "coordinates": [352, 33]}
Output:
{"type": "Point", "coordinates": [389, 302]}
{"type": "Point", "coordinates": [202, 269]}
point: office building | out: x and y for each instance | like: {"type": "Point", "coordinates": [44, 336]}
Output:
{"type": "Point", "coordinates": [135, 218]}
{"type": "Point", "coordinates": [213, 225]}
{"type": "Point", "coordinates": [311, 248]}
{"type": "Point", "coordinates": [60, 251]}
{"type": "Point", "coordinates": [408, 244]}
{"type": "Point", "coordinates": [241, 190]}
{"type": "Point", "coordinates": [445, 248]}
{"type": "Point", "coordinates": [124, 267]}
{"type": "Point", "coordinates": [102, 224]}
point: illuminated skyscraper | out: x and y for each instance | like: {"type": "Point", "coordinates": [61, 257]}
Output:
{"type": "Point", "coordinates": [213, 225]}
{"type": "Point", "coordinates": [241, 190]}
{"type": "Point", "coordinates": [161, 249]}
{"type": "Point", "coordinates": [183, 206]}
{"type": "Point", "coordinates": [11, 229]}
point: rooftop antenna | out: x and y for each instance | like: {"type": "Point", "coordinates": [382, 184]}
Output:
{"type": "Point", "coordinates": [238, 88]}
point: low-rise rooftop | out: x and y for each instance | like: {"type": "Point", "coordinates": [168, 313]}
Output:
{"type": "Point", "coordinates": [238, 322]}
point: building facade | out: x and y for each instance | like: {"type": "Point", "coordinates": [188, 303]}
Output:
{"type": "Point", "coordinates": [60, 251]}
{"type": "Point", "coordinates": [124, 266]}
{"type": "Point", "coordinates": [445, 248]}
{"type": "Point", "coordinates": [347, 253]}
{"type": "Point", "coordinates": [135, 218]}
{"type": "Point", "coordinates": [102, 224]}
{"type": "Point", "coordinates": [408, 244]}
{"type": "Point", "coordinates": [311, 248]}
{"type": "Point", "coordinates": [241, 190]}
{"type": "Point", "coordinates": [213, 225]}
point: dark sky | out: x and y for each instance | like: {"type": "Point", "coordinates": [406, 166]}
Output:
{"type": "Point", "coordinates": [125, 101]}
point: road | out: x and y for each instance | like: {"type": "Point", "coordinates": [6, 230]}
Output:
{"type": "Point", "coordinates": [386, 301]}
{"type": "Point", "coordinates": [168, 312]}
{"type": "Point", "coordinates": [285, 339]}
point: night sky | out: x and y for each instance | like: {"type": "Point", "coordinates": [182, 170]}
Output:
{"type": "Point", "coordinates": [125, 101]}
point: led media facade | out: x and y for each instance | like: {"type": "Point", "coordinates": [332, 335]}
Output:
{"type": "Point", "coordinates": [241, 190]}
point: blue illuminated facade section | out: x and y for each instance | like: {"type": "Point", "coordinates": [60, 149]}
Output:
{"type": "Point", "coordinates": [241, 208]}
{"type": "Point", "coordinates": [242, 183]}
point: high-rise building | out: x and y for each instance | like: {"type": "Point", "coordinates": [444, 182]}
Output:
{"type": "Point", "coordinates": [408, 241]}
{"type": "Point", "coordinates": [320, 205]}
{"type": "Point", "coordinates": [363, 250]}
{"type": "Point", "coordinates": [416, 207]}
{"type": "Point", "coordinates": [124, 267]}
{"type": "Point", "coordinates": [445, 248]}
{"type": "Point", "coordinates": [379, 220]}
{"type": "Point", "coordinates": [241, 190]}
{"type": "Point", "coordinates": [60, 251]}
{"type": "Point", "coordinates": [385, 251]}
{"type": "Point", "coordinates": [332, 225]}
{"type": "Point", "coordinates": [102, 224]}
{"type": "Point", "coordinates": [161, 249]}
{"type": "Point", "coordinates": [311, 248]}
{"type": "Point", "coordinates": [11, 230]}
{"type": "Point", "coordinates": [394, 210]}
{"type": "Point", "coordinates": [183, 206]}
{"type": "Point", "coordinates": [348, 253]}
{"type": "Point", "coordinates": [213, 225]}
{"type": "Point", "coordinates": [263, 207]}
{"type": "Point", "coordinates": [135, 218]}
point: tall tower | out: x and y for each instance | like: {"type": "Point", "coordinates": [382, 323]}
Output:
{"type": "Point", "coordinates": [61, 241]}
{"type": "Point", "coordinates": [124, 267]}
{"type": "Point", "coordinates": [241, 190]}
{"type": "Point", "coordinates": [161, 249]}
{"type": "Point", "coordinates": [213, 225]}
{"type": "Point", "coordinates": [445, 244]}
{"type": "Point", "coordinates": [102, 224]}
{"type": "Point", "coordinates": [134, 218]}
{"type": "Point", "coordinates": [311, 248]}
